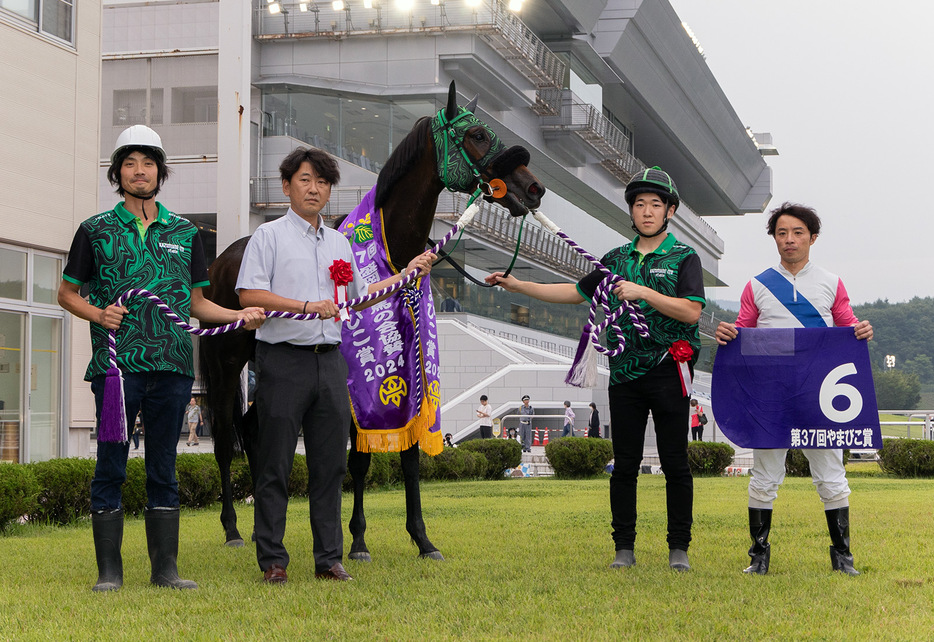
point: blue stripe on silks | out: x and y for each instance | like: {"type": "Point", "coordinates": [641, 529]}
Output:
{"type": "Point", "coordinates": [784, 291]}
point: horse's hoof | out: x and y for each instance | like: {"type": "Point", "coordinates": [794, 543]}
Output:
{"type": "Point", "coordinates": [360, 556]}
{"type": "Point", "coordinates": [432, 555]}
{"type": "Point", "coordinates": [235, 543]}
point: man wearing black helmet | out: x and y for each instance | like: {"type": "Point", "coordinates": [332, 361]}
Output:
{"type": "Point", "coordinates": [665, 278]}
{"type": "Point", "coordinates": [140, 244]}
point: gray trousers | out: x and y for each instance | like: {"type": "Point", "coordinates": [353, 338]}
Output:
{"type": "Point", "coordinates": [298, 390]}
{"type": "Point", "coordinates": [525, 432]}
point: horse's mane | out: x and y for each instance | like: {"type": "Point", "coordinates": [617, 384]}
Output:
{"type": "Point", "coordinates": [400, 161]}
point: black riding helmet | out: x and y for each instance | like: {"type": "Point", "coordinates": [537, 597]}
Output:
{"type": "Point", "coordinates": [654, 181]}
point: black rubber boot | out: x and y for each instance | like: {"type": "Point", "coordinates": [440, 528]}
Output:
{"type": "Point", "coordinates": [760, 523]}
{"type": "Point", "coordinates": [108, 539]}
{"type": "Point", "coordinates": [838, 523]}
{"type": "Point", "coordinates": [162, 542]}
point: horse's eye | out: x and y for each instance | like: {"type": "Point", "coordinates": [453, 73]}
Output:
{"type": "Point", "coordinates": [479, 137]}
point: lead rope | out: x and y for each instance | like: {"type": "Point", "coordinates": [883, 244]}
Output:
{"type": "Point", "coordinates": [113, 426]}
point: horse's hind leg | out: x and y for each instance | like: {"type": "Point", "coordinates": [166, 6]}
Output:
{"type": "Point", "coordinates": [414, 523]}
{"type": "Point", "coordinates": [358, 464]}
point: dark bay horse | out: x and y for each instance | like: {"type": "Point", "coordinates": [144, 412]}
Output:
{"type": "Point", "coordinates": [453, 150]}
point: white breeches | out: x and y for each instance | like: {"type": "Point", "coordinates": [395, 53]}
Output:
{"type": "Point", "coordinates": [768, 472]}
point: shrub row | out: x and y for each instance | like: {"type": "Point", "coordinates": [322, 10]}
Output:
{"type": "Point", "coordinates": [577, 457]}
{"type": "Point", "coordinates": [907, 457]}
{"type": "Point", "coordinates": [58, 491]}
{"type": "Point", "coordinates": [797, 465]}
{"type": "Point", "coordinates": [707, 458]}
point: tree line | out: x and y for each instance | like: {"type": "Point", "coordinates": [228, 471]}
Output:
{"type": "Point", "coordinates": [904, 331]}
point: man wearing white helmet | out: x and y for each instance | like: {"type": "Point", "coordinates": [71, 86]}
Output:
{"type": "Point", "coordinates": [140, 244]}
{"type": "Point", "coordinates": [665, 278]}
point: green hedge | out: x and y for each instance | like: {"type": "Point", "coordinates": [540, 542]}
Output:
{"type": "Point", "coordinates": [500, 454]}
{"type": "Point", "coordinates": [907, 457]}
{"type": "Point", "coordinates": [579, 456]}
{"type": "Point", "coordinates": [19, 490]}
{"type": "Point", "coordinates": [199, 480]}
{"type": "Point", "coordinates": [461, 463]}
{"type": "Point", "coordinates": [65, 493]}
{"type": "Point", "coordinates": [709, 458]}
{"type": "Point", "coordinates": [797, 465]}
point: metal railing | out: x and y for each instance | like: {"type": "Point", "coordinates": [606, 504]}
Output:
{"type": "Point", "coordinates": [922, 421]}
{"type": "Point", "coordinates": [571, 114]}
{"type": "Point", "coordinates": [491, 20]}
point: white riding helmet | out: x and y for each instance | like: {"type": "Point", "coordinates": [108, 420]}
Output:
{"type": "Point", "coordinates": [139, 136]}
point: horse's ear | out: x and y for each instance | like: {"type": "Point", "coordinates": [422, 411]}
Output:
{"type": "Point", "coordinates": [472, 105]}
{"type": "Point", "coordinates": [451, 110]}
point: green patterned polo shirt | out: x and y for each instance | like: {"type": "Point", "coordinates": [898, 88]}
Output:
{"type": "Point", "coordinates": [673, 269]}
{"type": "Point", "coordinates": [111, 254]}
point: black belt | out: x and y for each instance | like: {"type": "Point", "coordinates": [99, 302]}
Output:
{"type": "Point", "coordinates": [319, 348]}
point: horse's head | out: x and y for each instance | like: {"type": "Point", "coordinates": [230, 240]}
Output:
{"type": "Point", "coordinates": [471, 156]}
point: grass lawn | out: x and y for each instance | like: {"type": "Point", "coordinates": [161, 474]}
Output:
{"type": "Point", "coordinates": [526, 559]}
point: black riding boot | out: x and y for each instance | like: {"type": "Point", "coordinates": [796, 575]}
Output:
{"type": "Point", "coordinates": [162, 542]}
{"type": "Point", "coordinates": [108, 539]}
{"type": "Point", "coordinates": [838, 522]}
{"type": "Point", "coordinates": [760, 523]}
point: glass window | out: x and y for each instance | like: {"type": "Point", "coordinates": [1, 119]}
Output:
{"type": "Point", "coordinates": [46, 276]}
{"type": "Point", "coordinates": [12, 330]}
{"type": "Point", "coordinates": [28, 9]}
{"type": "Point", "coordinates": [361, 131]}
{"type": "Point", "coordinates": [194, 104]}
{"type": "Point", "coordinates": [129, 107]}
{"type": "Point", "coordinates": [57, 18]}
{"type": "Point", "coordinates": [13, 269]}
{"type": "Point", "coordinates": [45, 388]}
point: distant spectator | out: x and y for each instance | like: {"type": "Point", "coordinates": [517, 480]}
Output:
{"type": "Point", "coordinates": [485, 414]}
{"type": "Point", "coordinates": [448, 441]}
{"type": "Point", "coordinates": [594, 422]}
{"type": "Point", "coordinates": [697, 426]}
{"type": "Point", "coordinates": [568, 420]}
{"type": "Point", "coordinates": [525, 424]}
{"type": "Point", "coordinates": [450, 304]}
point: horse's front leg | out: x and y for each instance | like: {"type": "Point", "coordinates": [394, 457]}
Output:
{"type": "Point", "coordinates": [358, 464]}
{"type": "Point", "coordinates": [414, 523]}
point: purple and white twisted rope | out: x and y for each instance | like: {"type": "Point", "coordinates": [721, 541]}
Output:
{"type": "Point", "coordinates": [601, 298]}
{"type": "Point", "coordinates": [113, 424]}
{"type": "Point", "coordinates": [462, 222]}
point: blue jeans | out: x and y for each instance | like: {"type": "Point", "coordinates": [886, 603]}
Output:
{"type": "Point", "coordinates": [163, 397]}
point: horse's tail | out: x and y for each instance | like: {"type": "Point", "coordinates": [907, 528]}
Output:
{"type": "Point", "coordinates": [223, 396]}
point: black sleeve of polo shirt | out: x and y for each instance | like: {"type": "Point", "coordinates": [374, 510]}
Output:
{"type": "Point", "coordinates": [199, 265]}
{"type": "Point", "coordinates": [80, 265]}
{"type": "Point", "coordinates": [691, 278]}
{"type": "Point", "coordinates": [588, 285]}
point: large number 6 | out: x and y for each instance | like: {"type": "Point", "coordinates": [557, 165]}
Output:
{"type": "Point", "coordinates": [831, 388]}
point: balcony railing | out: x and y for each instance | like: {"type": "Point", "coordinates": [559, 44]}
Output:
{"type": "Point", "coordinates": [491, 223]}
{"type": "Point", "coordinates": [491, 20]}
{"type": "Point", "coordinates": [587, 122]}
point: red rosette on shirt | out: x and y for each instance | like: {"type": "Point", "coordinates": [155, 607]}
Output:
{"type": "Point", "coordinates": [681, 351]}
{"type": "Point", "coordinates": [342, 274]}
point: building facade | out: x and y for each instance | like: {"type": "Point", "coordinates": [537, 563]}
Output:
{"type": "Point", "coordinates": [50, 62]}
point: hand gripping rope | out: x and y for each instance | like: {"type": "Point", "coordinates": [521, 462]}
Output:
{"type": "Point", "coordinates": [583, 371]}
{"type": "Point", "coordinates": [113, 427]}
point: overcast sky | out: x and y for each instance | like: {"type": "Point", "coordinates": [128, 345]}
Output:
{"type": "Point", "coordinates": [845, 89]}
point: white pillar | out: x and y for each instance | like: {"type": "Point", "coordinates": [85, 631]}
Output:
{"type": "Point", "coordinates": [233, 121]}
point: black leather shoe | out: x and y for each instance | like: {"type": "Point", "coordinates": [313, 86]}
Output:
{"type": "Point", "coordinates": [336, 573]}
